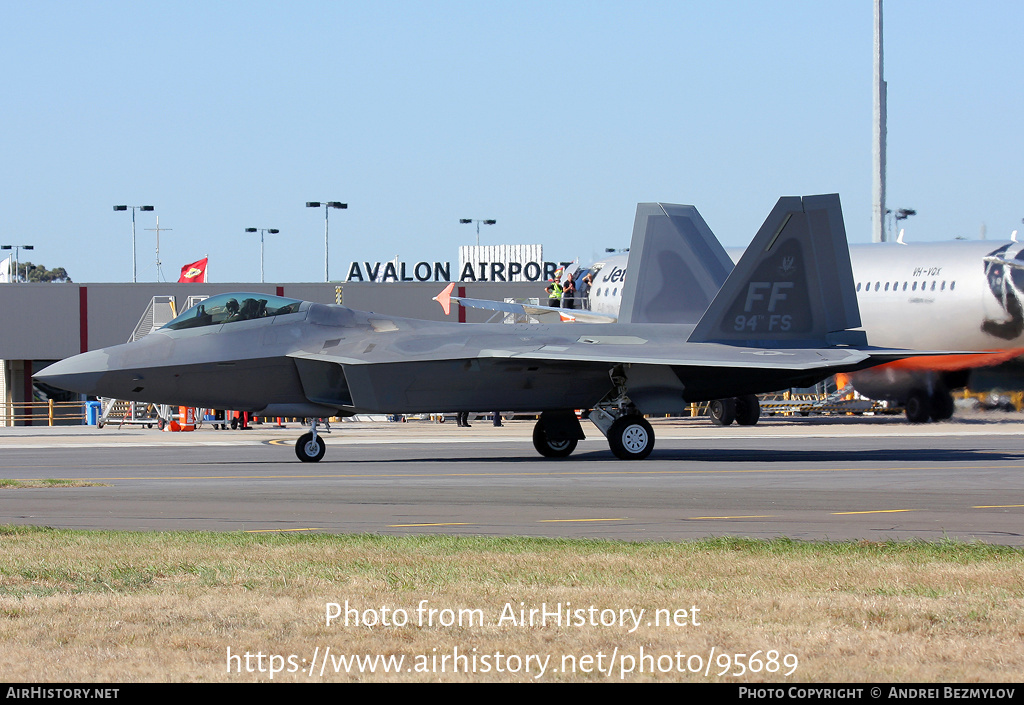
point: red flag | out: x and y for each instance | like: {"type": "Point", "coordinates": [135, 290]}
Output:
{"type": "Point", "coordinates": [195, 272]}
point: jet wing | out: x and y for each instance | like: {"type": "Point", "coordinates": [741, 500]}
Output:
{"type": "Point", "coordinates": [375, 339]}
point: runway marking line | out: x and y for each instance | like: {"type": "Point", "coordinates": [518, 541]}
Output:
{"type": "Point", "coordinates": [997, 506]}
{"type": "Point", "coordinates": [878, 511]}
{"type": "Point", "coordinates": [751, 516]}
{"type": "Point", "coordinates": [451, 523]}
{"type": "Point", "coordinates": [569, 521]}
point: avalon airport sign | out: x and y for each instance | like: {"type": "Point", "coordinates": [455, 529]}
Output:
{"type": "Point", "coordinates": [477, 263]}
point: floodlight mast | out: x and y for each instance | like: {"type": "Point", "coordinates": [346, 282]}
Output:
{"type": "Point", "coordinates": [17, 258]}
{"type": "Point", "coordinates": [134, 208]}
{"type": "Point", "coordinates": [328, 205]}
{"type": "Point", "coordinates": [485, 221]}
{"type": "Point", "coordinates": [272, 231]}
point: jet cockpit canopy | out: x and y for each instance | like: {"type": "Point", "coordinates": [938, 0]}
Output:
{"type": "Point", "coordinates": [229, 308]}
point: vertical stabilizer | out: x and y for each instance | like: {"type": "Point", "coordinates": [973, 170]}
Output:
{"type": "Point", "coordinates": [794, 284]}
{"type": "Point", "coordinates": [676, 266]}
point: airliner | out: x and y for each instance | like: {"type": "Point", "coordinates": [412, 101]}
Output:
{"type": "Point", "coordinates": [956, 295]}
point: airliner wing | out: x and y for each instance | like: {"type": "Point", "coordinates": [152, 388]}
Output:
{"type": "Point", "coordinates": [543, 314]}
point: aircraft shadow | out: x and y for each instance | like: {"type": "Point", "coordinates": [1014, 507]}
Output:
{"type": "Point", "coordinates": [754, 456]}
{"type": "Point", "coordinates": [834, 457]}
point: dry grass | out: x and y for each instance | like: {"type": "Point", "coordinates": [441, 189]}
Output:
{"type": "Point", "coordinates": [108, 606]}
{"type": "Point", "coordinates": [50, 482]}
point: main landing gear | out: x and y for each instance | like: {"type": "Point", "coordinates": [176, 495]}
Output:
{"type": "Point", "coordinates": [921, 407]}
{"type": "Point", "coordinates": [310, 448]}
{"type": "Point", "coordinates": [629, 435]}
{"type": "Point", "coordinates": [745, 410]}
{"type": "Point", "coordinates": [551, 440]}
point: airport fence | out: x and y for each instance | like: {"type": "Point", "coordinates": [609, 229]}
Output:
{"type": "Point", "coordinates": [43, 413]}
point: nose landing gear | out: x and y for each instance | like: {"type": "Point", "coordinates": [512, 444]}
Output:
{"type": "Point", "coordinates": [310, 448]}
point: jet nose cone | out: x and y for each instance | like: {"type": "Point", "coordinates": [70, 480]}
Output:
{"type": "Point", "coordinates": [80, 373]}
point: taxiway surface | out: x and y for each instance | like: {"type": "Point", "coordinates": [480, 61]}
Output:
{"type": "Point", "coordinates": [838, 479]}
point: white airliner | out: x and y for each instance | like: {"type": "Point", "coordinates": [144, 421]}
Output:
{"type": "Point", "coordinates": [957, 295]}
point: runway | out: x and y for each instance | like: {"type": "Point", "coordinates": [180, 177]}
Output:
{"type": "Point", "coordinates": [839, 479]}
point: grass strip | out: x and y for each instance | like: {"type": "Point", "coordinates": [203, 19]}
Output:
{"type": "Point", "coordinates": [132, 606]}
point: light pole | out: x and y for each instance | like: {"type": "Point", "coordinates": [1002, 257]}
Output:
{"type": "Point", "coordinates": [466, 221]}
{"type": "Point", "coordinates": [272, 231]}
{"type": "Point", "coordinates": [328, 205]}
{"type": "Point", "coordinates": [134, 208]}
{"type": "Point", "coordinates": [17, 259]}
{"type": "Point", "coordinates": [902, 214]}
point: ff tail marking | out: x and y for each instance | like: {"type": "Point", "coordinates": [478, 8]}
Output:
{"type": "Point", "coordinates": [794, 284]}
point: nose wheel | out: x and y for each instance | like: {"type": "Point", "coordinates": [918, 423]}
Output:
{"type": "Point", "coordinates": [310, 447]}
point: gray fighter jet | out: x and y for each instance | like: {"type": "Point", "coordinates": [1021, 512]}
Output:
{"type": "Point", "coordinates": [783, 318]}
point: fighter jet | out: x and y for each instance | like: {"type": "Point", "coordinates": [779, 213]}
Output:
{"type": "Point", "coordinates": [783, 318]}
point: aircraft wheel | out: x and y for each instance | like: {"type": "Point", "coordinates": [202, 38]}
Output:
{"type": "Point", "coordinates": [918, 408]}
{"type": "Point", "coordinates": [722, 411]}
{"type": "Point", "coordinates": [631, 437]}
{"type": "Point", "coordinates": [748, 410]}
{"type": "Point", "coordinates": [309, 450]}
{"type": "Point", "coordinates": [942, 405]}
{"type": "Point", "coordinates": [549, 448]}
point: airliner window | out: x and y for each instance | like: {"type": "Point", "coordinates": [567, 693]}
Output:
{"type": "Point", "coordinates": [943, 286]}
{"type": "Point", "coordinates": [229, 308]}
{"type": "Point", "coordinates": [952, 285]}
{"type": "Point", "coordinates": [858, 286]}
{"type": "Point", "coordinates": [887, 286]}
{"type": "Point", "coordinates": [877, 284]}
{"type": "Point", "coordinates": [904, 286]}
{"type": "Point", "coordinates": [914, 288]}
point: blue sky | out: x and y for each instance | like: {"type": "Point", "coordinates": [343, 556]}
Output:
{"type": "Point", "coordinates": [555, 118]}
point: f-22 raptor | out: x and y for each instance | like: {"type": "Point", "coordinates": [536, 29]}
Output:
{"type": "Point", "coordinates": [785, 317]}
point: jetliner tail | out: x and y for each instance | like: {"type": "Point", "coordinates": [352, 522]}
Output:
{"type": "Point", "coordinates": [793, 287]}
{"type": "Point", "coordinates": [676, 266]}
